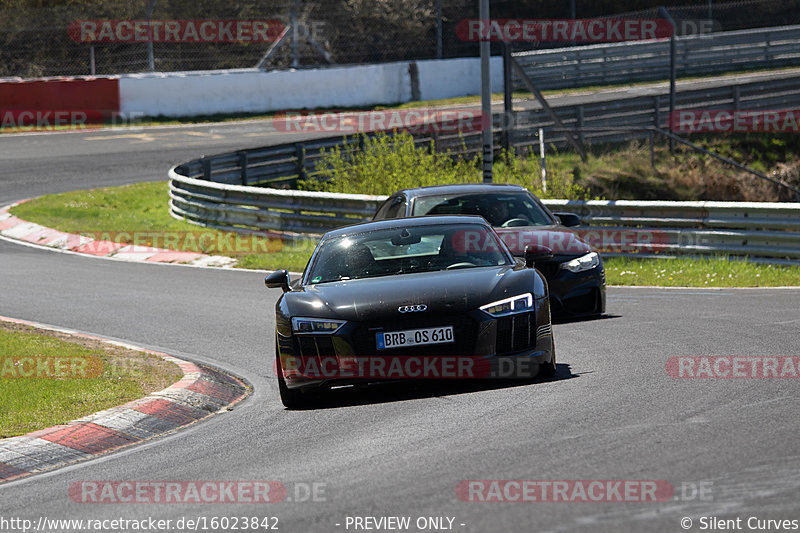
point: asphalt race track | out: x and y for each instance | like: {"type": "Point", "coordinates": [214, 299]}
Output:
{"type": "Point", "coordinates": [401, 450]}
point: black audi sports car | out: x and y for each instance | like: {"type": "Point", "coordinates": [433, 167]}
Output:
{"type": "Point", "coordinates": [425, 297]}
{"type": "Point", "coordinates": [575, 273]}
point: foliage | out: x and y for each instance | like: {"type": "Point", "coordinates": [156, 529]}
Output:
{"type": "Point", "coordinates": [386, 163]}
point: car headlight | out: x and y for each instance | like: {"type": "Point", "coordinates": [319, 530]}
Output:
{"type": "Point", "coordinates": [510, 306]}
{"type": "Point", "coordinates": [583, 263]}
{"type": "Point", "coordinates": [316, 325]}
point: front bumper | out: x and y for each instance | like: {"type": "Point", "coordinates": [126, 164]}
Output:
{"type": "Point", "coordinates": [485, 347]}
{"type": "Point", "coordinates": [575, 294]}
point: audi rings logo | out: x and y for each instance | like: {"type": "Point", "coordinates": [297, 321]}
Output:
{"type": "Point", "coordinates": [412, 308]}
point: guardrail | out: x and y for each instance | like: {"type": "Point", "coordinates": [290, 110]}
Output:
{"type": "Point", "coordinates": [768, 231]}
{"type": "Point", "coordinates": [780, 92]}
{"type": "Point", "coordinates": [697, 55]}
{"type": "Point", "coordinates": [288, 214]}
{"type": "Point", "coordinates": [758, 230]}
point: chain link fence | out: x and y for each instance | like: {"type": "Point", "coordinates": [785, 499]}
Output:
{"type": "Point", "coordinates": [36, 41]}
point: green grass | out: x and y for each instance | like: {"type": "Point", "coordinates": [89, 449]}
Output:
{"type": "Point", "coordinates": [694, 272]}
{"type": "Point", "coordinates": [30, 403]}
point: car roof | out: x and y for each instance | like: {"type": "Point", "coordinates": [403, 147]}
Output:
{"type": "Point", "coordinates": [462, 188]}
{"type": "Point", "coordinates": [431, 220]}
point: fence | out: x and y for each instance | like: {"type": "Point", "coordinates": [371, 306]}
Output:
{"type": "Point", "coordinates": [35, 40]}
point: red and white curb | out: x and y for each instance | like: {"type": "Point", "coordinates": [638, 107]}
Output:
{"type": "Point", "coordinates": [15, 228]}
{"type": "Point", "coordinates": [201, 393]}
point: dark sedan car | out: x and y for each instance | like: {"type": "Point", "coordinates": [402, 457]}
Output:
{"type": "Point", "coordinates": [575, 272]}
{"type": "Point", "coordinates": [410, 298]}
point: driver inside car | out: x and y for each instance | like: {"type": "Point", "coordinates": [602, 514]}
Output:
{"type": "Point", "coordinates": [498, 215]}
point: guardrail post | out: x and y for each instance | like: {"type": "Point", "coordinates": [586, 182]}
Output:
{"type": "Point", "coordinates": [206, 163]}
{"type": "Point", "coordinates": [301, 161]}
{"type": "Point", "coordinates": [605, 60]}
{"type": "Point", "coordinates": [243, 166]}
{"type": "Point", "coordinates": [657, 111]}
{"type": "Point", "coordinates": [737, 94]}
{"type": "Point", "coordinates": [508, 106]}
{"type": "Point", "coordinates": [672, 68]}
{"type": "Point", "coordinates": [652, 149]}
{"type": "Point", "coordinates": [767, 44]}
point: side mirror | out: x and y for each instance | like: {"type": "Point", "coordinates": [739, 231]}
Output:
{"type": "Point", "coordinates": [569, 220]}
{"type": "Point", "coordinates": [535, 254]}
{"type": "Point", "coordinates": [278, 280]}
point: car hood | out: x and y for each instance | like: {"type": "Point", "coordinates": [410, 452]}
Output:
{"type": "Point", "coordinates": [563, 241]}
{"type": "Point", "coordinates": [453, 291]}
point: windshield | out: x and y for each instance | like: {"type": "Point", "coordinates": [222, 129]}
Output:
{"type": "Point", "coordinates": [406, 250]}
{"type": "Point", "coordinates": [499, 209]}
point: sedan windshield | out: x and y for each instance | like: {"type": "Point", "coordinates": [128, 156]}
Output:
{"type": "Point", "coordinates": [408, 250]}
{"type": "Point", "coordinates": [499, 209]}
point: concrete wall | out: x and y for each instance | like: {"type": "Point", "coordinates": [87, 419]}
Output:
{"type": "Point", "coordinates": [176, 94]}
{"type": "Point", "coordinates": [254, 91]}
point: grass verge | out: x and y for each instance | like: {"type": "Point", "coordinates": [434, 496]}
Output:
{"type": "Point", "coordinates": [693, 272]}
{"type": "Point", "coordinates": [138, 214]}
{"type": "Point", "coordinates": [114, 376]}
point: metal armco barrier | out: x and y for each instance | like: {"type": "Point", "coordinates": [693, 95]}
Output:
{"type": "Point", "coordinates": [698, 55]}
{"type": "Point", "coordinates": [286, 213]}
{"type": "Point", "coordinates": [760, 230]}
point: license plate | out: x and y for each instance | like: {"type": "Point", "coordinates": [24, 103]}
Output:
{"type": "Point", "coordinates": [415, 337]}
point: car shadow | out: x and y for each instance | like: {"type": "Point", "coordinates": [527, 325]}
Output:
{"type": "Point", "coordinates": [400, 391]}
{"type": "Point", "coordinates": [566, 319]}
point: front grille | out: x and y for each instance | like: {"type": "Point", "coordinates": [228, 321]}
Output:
{"type": "Point", "coordinates": [585, 303]}
{"type": "Point", "coordinates": [515, 333]}
{"type": "Point", "coordinates": [315, 345]}
{"type": "Point", "coordinates": [465, 331]}
{"type": "Point", "coordinates": [549, 269]}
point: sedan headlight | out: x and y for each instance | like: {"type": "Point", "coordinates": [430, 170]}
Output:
{"type": "Point", "coordinates": [516, 304]}
{"type": "Point", "coordinates": [316, 325]}
{"type": "Point", "coordinates": [583, 263]}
